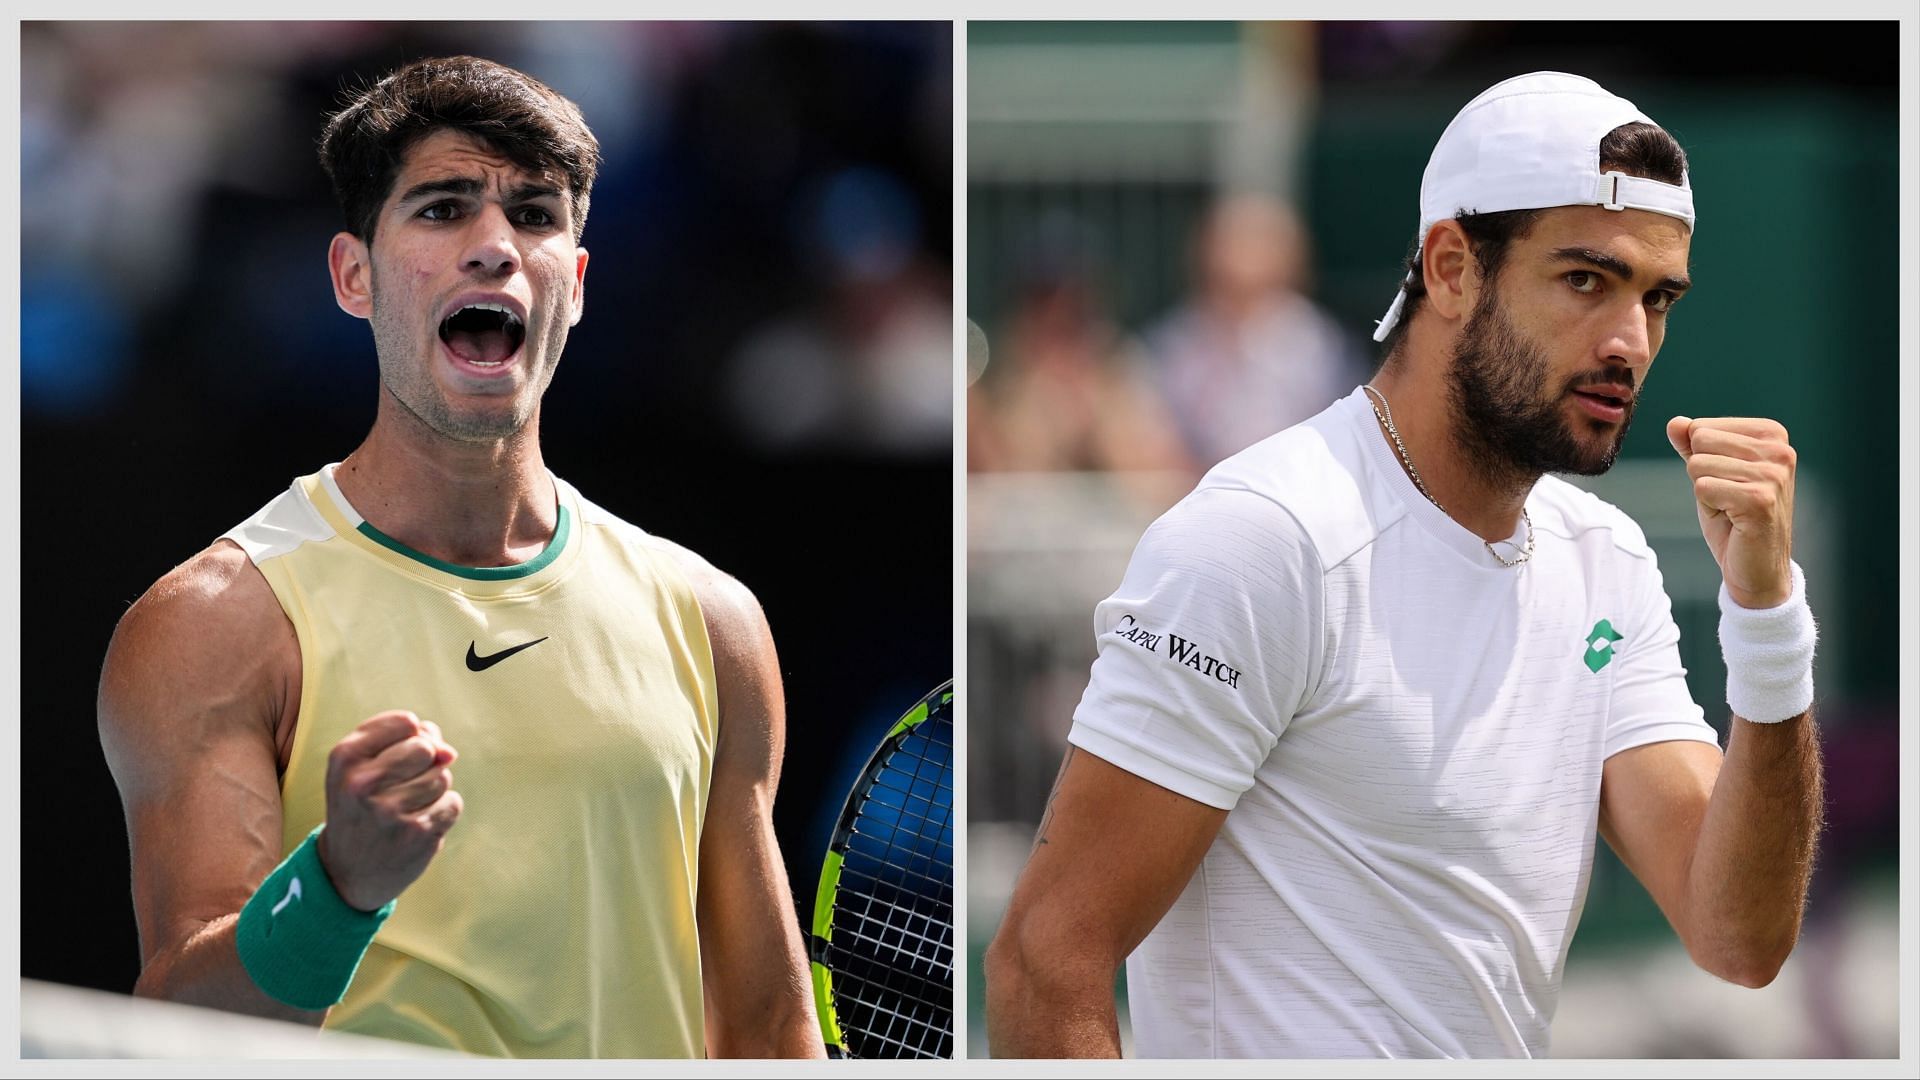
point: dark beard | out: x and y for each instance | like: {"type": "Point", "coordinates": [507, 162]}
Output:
{"type": "Point", "coordinates": [1509, 426]}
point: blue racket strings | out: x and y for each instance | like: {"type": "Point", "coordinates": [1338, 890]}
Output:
{"type": "Point", "coordinates": [892, 944]}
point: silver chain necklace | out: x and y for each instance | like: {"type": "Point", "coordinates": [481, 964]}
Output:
{"type": "Point", "coordinates": [1384, 414]}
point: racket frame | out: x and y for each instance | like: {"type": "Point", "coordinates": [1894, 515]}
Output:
{"type": "Point", "coordinates": [829, 885]}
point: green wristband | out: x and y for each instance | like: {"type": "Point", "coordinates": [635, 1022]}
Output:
{"type": "Point", "coordinates": [298, 940]}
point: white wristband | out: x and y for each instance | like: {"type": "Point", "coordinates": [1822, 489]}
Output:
{"type": "Point", "coordinates": [1769, 654]}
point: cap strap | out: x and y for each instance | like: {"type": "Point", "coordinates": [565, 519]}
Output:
{"type": "Point", "coordinates": [1393, 313]}
{"type": "Point", "coordinates": [1619, 191]}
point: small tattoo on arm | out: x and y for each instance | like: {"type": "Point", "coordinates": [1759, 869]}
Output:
{"type": "Point", "coordinates": [1046, 819]}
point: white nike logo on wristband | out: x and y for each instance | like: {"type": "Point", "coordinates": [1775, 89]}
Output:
{"type": "Point", "coordinates": [293, 893]}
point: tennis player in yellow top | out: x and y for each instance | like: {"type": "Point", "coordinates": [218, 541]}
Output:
{"type": "Point", "coordinates": [285, 712]}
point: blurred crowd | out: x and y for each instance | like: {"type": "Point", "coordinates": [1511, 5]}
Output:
{"type": "Point", "coordinates": [769, 230]}
{"type": "Point", "coordinates": [1244, 354]}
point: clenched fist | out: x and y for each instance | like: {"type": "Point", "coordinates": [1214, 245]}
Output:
{"type": "Point", "coordinates": [390, 800]}
{"type": "Point", "coordinates": [1742, 470]}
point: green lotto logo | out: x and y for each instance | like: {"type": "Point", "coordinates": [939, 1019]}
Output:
{"type": "Point", "coordinates": [1600, 645]}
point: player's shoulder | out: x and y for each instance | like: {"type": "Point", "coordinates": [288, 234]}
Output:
{"type": "Point", "coordinates": [210, 632]}
{"type": "Point", "coordinates": [204, 637]}
{"type": "Point", "coordinates": [286, 522]}
{"type": "Point", "coordinates": [721, 595]}
{"type": "Point", "coordinates": [738, 637]}
{"type": "Point", "coordinates": [594, 516]}
{"type": "Point", "coordinates": [727, 606]}
{"type": "Point", "coordinates": [1574, 513]}
{"type": "Point", "coordinates": [216, 587]}
{"type": "Point", "coordinates": [1303, 489]}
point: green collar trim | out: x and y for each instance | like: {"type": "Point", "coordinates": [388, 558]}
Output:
{"type": "Point", "coordinates": [481, 573]}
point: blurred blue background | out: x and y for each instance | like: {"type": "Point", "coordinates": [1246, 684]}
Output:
{"type": "Point", "coordinates": [764, 372]}
{"type": "Point", "coordinates": [1179, 236]}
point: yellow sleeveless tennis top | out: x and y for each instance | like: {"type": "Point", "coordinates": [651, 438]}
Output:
{"type": "Point", "coordinates": [558, 918]}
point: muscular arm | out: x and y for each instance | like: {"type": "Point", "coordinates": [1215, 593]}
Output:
{"type": "Point", "coordinates": [200, 672]}
{"type": "Point", "coordinates": [1113, 854]}
{"type": "Point", "coordinates": [1725, 849]}
{"type": "Point", "coordinates": [759, 1002]}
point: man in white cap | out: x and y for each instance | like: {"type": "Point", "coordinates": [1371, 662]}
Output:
{"type": "Point", "coordinates": [1364, 696]}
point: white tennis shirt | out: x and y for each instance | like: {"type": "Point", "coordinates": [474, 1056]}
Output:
{"type": "Point", "coordinates": [1409, 737]}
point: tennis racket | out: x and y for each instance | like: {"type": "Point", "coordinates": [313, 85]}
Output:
{"type": "Point", "coordinates": [882, 943]}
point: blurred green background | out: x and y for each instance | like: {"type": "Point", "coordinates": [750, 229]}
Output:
{"type": "Point", "coordinates": [1095, 152]}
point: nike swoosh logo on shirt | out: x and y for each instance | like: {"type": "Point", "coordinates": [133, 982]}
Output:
{"type": "Point", "coordinates": [476, 662]}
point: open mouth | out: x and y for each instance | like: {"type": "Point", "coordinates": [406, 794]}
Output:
{"type": "Point", "coordinates": [484, 335]}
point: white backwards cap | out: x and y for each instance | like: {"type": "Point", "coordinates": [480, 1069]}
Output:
{"type": "Point", "coordinates": [1529, 143]}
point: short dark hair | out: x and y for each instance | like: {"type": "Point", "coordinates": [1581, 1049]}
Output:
{"type": "Point", "coordinates": [517, 115]}
{"type": "Point", "coordinates": [1637, 149]}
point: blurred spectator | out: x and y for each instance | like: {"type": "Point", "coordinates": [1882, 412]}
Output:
{"type": "Point", "coordinates": [872, 366]}
{"type": "Point", "coordinates": [1065, 391]}
{"type": "Point", "coordinates": [1248, 353]}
